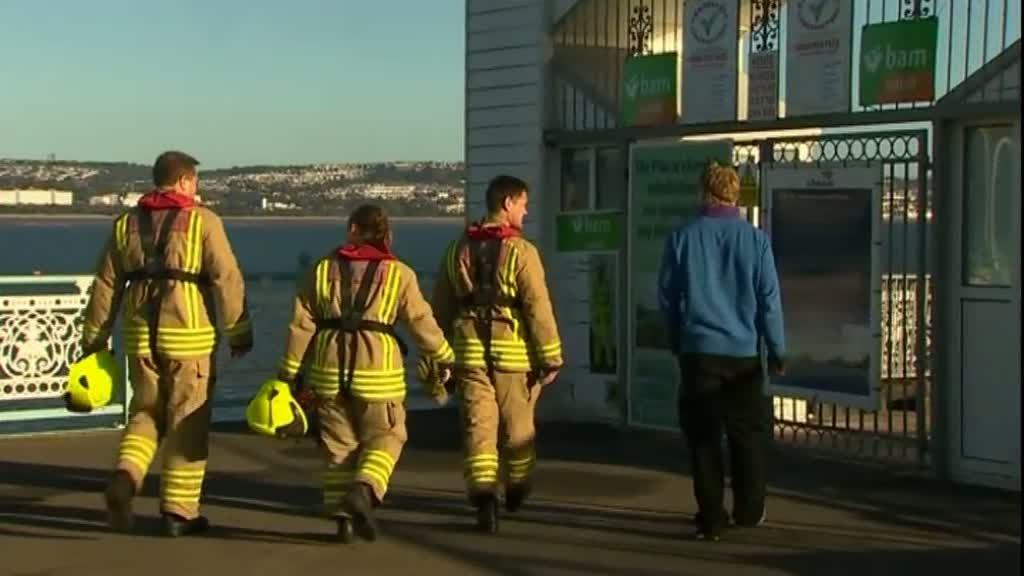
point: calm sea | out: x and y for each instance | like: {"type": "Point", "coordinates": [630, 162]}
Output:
{"type": "Point", "coordinates": [270, 253]}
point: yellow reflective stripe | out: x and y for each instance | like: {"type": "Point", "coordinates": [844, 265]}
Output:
{"type": "Point", "coordinates": [444, 354]}
{"type": "Point", "coordinates": [450, 259]}
{"type": "Point", "coordinates": [184, 474]}
{"type": "Point", "coordinates": [195, 242]}
{"type": "Point", "coordinates": [323, 287]}
{"type": "Point", "coordinates": [121, 239]}
{"type": "Point", "coordinates": [140, 441]}
{"type": "Point", "coordinates": [90, 332]}
{"type": "Point", "coordinates": [367, 374]}
{"type": "Point", "coordinates": [378, 465]}
{"type": "Point", "coordinates": [386, 297]}
{"type": "Point", "coordinates": [138, 450]}
{"type": "Point", "coordinates": [289, 366]}
{"type": "Point", "coordinates": [507, 281]}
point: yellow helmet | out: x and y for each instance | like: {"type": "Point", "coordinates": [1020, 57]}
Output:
{"type": "Point", "coordinates": [275, 412]}
{"type": "Point", "coordinates": [91, 382]}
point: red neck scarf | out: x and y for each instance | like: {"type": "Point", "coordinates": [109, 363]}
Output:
{"type": "Point", "coordinates": [159, 200]}
{"type": "Point", "coordinates": [363, 252]}
{"type": "Point", "coordinates": [484, 231]}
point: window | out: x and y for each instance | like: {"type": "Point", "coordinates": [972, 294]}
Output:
{"type": "Point", "coordinates": [988, 200]}
{"type": "Point", "coordinates": [576, 180]}
{"type": "Point", "coordinates": [611, 179]}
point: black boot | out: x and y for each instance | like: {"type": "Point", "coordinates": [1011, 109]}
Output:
{"type": "Point", "coordinates": [487, 513]}
{"type": "Point", "coordinates": [358, 504]}
{"type": "Point", "coordinates": [175, 526]}
{"type": "Point", "coordinates": [345, 533]}
{"type": "Point", "coordinates": [515, 495]}
{"type": "Point", "coordinates": [119, 495]}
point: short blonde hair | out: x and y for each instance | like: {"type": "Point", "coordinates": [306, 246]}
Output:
{"type": "Point", "coordinates": [721, 184]}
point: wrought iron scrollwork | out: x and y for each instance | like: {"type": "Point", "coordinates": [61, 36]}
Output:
{"type": "Point", "coordinates": [764, 25]}
{"type": "Point", "coordinates": [641, 29]}
{"type": "Point", "coordinates": [911, 9]}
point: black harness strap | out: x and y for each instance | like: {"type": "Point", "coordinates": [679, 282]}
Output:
{"type": "Point", "coordinates": [351, 321]}
{"type": "Point", "coordinates": [154, 248]}
{"type": "Point", "coordinates": [485, 295]}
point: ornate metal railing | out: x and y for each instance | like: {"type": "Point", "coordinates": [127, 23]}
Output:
{"type": "Point", "coordinates": [39, 332]}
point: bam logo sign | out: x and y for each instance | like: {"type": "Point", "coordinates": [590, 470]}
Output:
{"type": "Point", "coordinates": [649, 90]}
{"type": "Point", "coordinates": [897, 62]}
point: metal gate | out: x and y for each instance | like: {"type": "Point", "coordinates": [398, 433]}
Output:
{"type": "Point", "coordinates": [900, 428]}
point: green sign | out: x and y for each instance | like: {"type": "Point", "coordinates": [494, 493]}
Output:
{"type": "Point", "coordinates": [649, 90]}
{"type": "Point", "coordinates": [665, 193]}
{"type": "Point", "coordinates": [589, 231]}
{"type": "Point", "coordinates": [897, 62]}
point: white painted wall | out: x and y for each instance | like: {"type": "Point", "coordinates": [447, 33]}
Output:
{"type": "Point", "coordinates": [506, 56]}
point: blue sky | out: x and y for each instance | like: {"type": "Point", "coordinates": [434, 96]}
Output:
{"type": "Point", "coordinates": [234, 82]}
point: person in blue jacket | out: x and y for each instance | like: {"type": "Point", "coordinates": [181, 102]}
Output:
{"type": "Point", "coordinates": [718, 291]}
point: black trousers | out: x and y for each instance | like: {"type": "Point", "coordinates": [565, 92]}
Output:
{"type": "Point", "coordinates": [725, 393]}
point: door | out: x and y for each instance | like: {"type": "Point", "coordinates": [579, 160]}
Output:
{"type": "Point", "coordinates": [983, 302]}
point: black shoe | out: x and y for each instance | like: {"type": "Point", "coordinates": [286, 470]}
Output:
{"type": "Point", "coordinates": [704, 531]}
{"type": "Point", "coordinates": [760, 521]}
{"type": "Point", "coordinates": [702, 535]}
{"type": "Point", "coordinates": [358, 504]}
{"type": "Point", "coordinates": [515, 495]}
{"type": "Point", "coordinates": [175, 526]}
{"type": "Point", "coordinates": [487, 513]}
{"type": "Point", "coordinates": [345, 533]}
{"type": "Point", "coordinates": [119, 495]}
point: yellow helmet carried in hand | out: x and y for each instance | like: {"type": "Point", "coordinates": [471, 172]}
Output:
{"type": "Point", "coordinates": [91, 382]}
{"type": "Point", "coordinates": [275, 412]}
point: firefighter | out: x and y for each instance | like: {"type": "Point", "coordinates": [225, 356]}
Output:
{"type": "Point", "coordinates": [169, 269]}
{"type": "Point", "coordinates": [344, 314]}
{"type": "Point", "coordinates": [492, 299]}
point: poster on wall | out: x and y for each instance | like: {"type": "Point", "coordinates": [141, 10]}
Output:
{"type": "Point", "coordinates": [763, 86]}
{"type": "Point", "coordinates": [649, 85]}
{"type": "Point", "coordinates": [587, 291]}
{"type": "Point", "coordinates": [825, 225]}
{"type": "Point", "coordinates": [710, 40]}
{"type": "Point", "coordinates": [818, 45]}
{"type": "Point", "coordinates": [664, 184]}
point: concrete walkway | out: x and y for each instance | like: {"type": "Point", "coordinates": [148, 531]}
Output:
{"type": "Point", "coordinates": [607, 502]}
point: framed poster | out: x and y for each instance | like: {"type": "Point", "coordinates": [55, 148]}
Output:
{"type": "Point", "coordinates": [665, 193]}
{"type": "Point", "coordinates": [825, 228]}
{"type": "Point", "coordinates": [818, 46]}
{"type": "Point", "coordinates": [710, 41]}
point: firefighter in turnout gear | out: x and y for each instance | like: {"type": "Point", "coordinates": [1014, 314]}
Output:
{"type": "Point", "coordinates": [344, 316]}
{"type": "Point", "coordinates": [492, 300]}
{"type": "Point", "coordinates": [169, 270]}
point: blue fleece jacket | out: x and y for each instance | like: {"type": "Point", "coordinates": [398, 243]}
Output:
{"type": "Point", "coordinates": [718, 288]}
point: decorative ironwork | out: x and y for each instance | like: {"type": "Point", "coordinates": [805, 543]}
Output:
{"type": "Point", "coordinates": [899, 312]}
{"type": "Point", "coordinates": [911, 9]}
{"type": "Point", "coordinates": [38, 342]}
{"type": "Point", "coordinates": [764, 25]}
{"type": "Point", "coordinates": [641, 30]}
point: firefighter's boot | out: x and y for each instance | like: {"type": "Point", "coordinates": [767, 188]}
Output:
{"type": "Point", "coordinates": [345, 533]}
{"type": "Point", "coordinates": [515, 495]}
{"type": "Point", "coordinates": [175, 526]}
{"type": "Point", "coordinates": [358, 504]}
{"type": "Point", "coordinates": [487, 513]}
{"type": "Point", "coordinates": [119, 495]}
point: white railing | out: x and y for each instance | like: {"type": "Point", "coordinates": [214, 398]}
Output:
{"type": "Point", "coordinates": [40, 327]}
